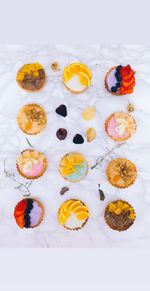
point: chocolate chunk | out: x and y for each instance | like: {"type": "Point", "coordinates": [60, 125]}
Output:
{"type": "Point", "coordinates": [78, 139]}
{"type": "Point", "coordinates": [62, 110]}
{"type": "Point", "coordinates": [63, 190]}
{"type": "Point", "coordinates": [61, 133]}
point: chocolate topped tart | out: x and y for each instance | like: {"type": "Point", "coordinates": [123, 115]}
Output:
{"type": "Point", "coordinates": [119, 215]}
{"type": "Point", "coordinates": [31, 77]}
{"type": "Point", "coordinates": [121, 173]}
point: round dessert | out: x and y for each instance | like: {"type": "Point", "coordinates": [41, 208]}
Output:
{"type": "Point", "coordinates": [31, 164]}
{"type": "Point", "coordinates": [119, 215]}
{"type": "Point", "coordinates": [77, 77]}
{"type": "Point", "coordinates": [29, 213]}
{"type": "Point", "coordinates": [31, 77]}
{"type": "Point", "coordinates": [73, 214]}
{"type": "Point", "coordinates": [121, 173]}
{"type": "Point", "coordinates": [32, 119]}
{"type": "Point", "coordinates": [73, 167]}
{"type": "Point", "coordinates": [120, 126]}
{"type": "Point", "coordinates": [120, 80]}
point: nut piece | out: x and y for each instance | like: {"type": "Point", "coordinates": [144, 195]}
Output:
{"type": "Point", "coordinates": [91, 134]}
{"type": "Point", "coordinates": [89, 113]}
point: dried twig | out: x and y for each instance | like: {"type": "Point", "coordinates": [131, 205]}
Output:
{"type": "Point", "coordinates": [21, 186]}
{"type": "Point", "coordinates": [101, 159]}
{"type": "Point", "coordinates": [29, 143]}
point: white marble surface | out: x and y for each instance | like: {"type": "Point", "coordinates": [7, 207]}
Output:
{"type": "Point", "coordinates": [12, 140]}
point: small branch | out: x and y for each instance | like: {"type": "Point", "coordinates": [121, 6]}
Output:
{"type": "Point", "coordinates": [101, 159]}
{"type": "Point", "coordinates": [20, 186]}
{"type": "Point", "coordinates": [29, 143]}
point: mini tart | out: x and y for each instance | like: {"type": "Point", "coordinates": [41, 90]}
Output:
{"type": "Point", "coordinates": [77, 77]}
{"type": "Point", "coordinates": [73, 214]}
{"type": "Point", "coordinates": [32, 119]}
{"type": "Point", "coordinates": [121, 173]}
{"type": "Point", "coordinates": [29, 213]}
{"type": "Point", "coordinates": [120, 126]}
{"type": "Point", "coordinates": [31, 164]}
{"type": "Point", "coordinates": [120, 80]}
{"type": "Point", "coordinates": [119, 215]}
{"type": "Point", "coordinates": [31, 77]}
{"type": "Point", "coordinates": [73, 167]}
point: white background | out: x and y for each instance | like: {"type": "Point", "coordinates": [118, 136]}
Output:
{"type": "Point", "coordinates": [74, 22]}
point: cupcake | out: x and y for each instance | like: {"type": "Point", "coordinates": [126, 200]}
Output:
{"type": "Point", "coordinates": [121, 173]}
{"type": "Point", "coordinates": [32, 119]}
{"type": "Point", "coordinates": [29, 213]}
{"type": "Point", "coordinates": [120, 80]}
{"type": "Point", "coordinates": [119, 215]}
{"type": "Point", "coordinates": [31, 77]}
{"type": "Point", "coordinates": [31, 164]}
{"type": "Point", "coordinates": [120, 126]}
{"type": "Point", "coordinates": [77, 77]}
{"type": "Point", "coordinates": [73, 214]}
{"type": "Point", "coordinates": [73, 167]}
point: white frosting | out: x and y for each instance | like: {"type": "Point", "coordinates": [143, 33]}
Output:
{"type": "Point", "coordinates": [74, 84]}
{"type": "Point", "coordinates": [73, 222]}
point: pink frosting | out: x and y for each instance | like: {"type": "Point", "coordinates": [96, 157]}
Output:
{"type": "Point", "coordinates": [111, 129]}
{"type": "Point", "coordinates": [36, 170]}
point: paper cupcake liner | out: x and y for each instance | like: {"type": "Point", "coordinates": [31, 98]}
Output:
{"type": "Point", "coordinates": [30, 177]}
{"type": "Point", "coordinates": [121, 187]}
{"type": "Point", "coordinates": [125, 227]}
{"type": "Point", "coordinates": [23, 130]}
{"type": "Point", "coordinates": [117, 139]}
{"type": "Point", "coordinates": [83, 224]}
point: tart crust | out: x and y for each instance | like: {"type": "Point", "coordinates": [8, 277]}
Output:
{"type": "Point", "coordinates": [28, 119]}
{"type": "Point", "coordinates": [31, 177]}
{"type": "Point", "coordinates": [121, 173]}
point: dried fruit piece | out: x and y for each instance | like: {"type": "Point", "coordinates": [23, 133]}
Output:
{"type": "Point", "coordinates": [78, 139]}
{"type": "Point", "coordinates": [55, 67]}
{"type": "Point", "coordinates": [130, 108]}
{"type": "Point", "coordinates": [89, 113]}
{"type": "Point", "coordinates": [61, 133]}
{"type": "Point", "coordinates": [62, 110]}
{"type": "Point", "coordinates": [91, 134]}
{"type": "Point", "coordinates": [64, 190]}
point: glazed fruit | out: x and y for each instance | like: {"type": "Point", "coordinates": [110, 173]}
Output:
{"type": "Point", "coordinates": [73, 214]}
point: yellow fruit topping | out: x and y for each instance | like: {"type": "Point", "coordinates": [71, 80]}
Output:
{"type": "Point", "coordinates": [89, 113]}
{"type": "Point", "coordinates": [118, 207]}
{"type": "Point", "coordinates": [91, 134]}
{"type": "Point", "coordinates": [30, 69]}
{"type": "Point", "coordinates": [72, 207]}
{"type": "Point", "coordinates": [82, 71]}
{"type": "Point", "coordinates": [69, 162]}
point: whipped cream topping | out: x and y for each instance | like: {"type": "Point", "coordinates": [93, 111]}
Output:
{"type": "Point", "coordinates": [74, 84]}
{"type": "Point", "coordinates": [73, 222]}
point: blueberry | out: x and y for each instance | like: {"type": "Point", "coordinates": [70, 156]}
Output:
{"type": "Point", "coordinates": [78, 139]}
{"type": "Point", "coordinates": [27, 217]}
{"type": "Point", "coordinates": [62, 110]}
{"type": "Point", "coordinates": [117, 74]}
{"type": "Point", "coordinates": [118, 78]}
{"type": "Point", "coordinates": [118, 68]}
{"type": "Point", "coordinates": [114, 89]}
{"type": "Point", "coordinates": [118, 85]}
{"type": "Point", "coordinates": [27, 224]}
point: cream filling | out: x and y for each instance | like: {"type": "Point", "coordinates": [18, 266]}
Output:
{"type": "Point", "coordinates": [122, 125]}
{"type": "Point", "coordinates": [74, 84]}
{"type": "Point", "coordinates": [28, 166]}
{"type": "Point", "coordinates": [73, 222]}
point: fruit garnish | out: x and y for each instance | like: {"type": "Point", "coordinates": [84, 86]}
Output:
{"type": "Point", "coordinates": [89, 113]}
{"type": "Point", "coordinates": [91, 134]}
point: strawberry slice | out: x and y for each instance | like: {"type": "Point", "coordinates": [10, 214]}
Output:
{"type": "Point", "coordinates": [129, 84]}
{"type": "Point", "coordinates": [20, 208]}
{"type": "Point", "coordinates": [129, 77]}
{"type": "Point", "coordinates": [20, 221]}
